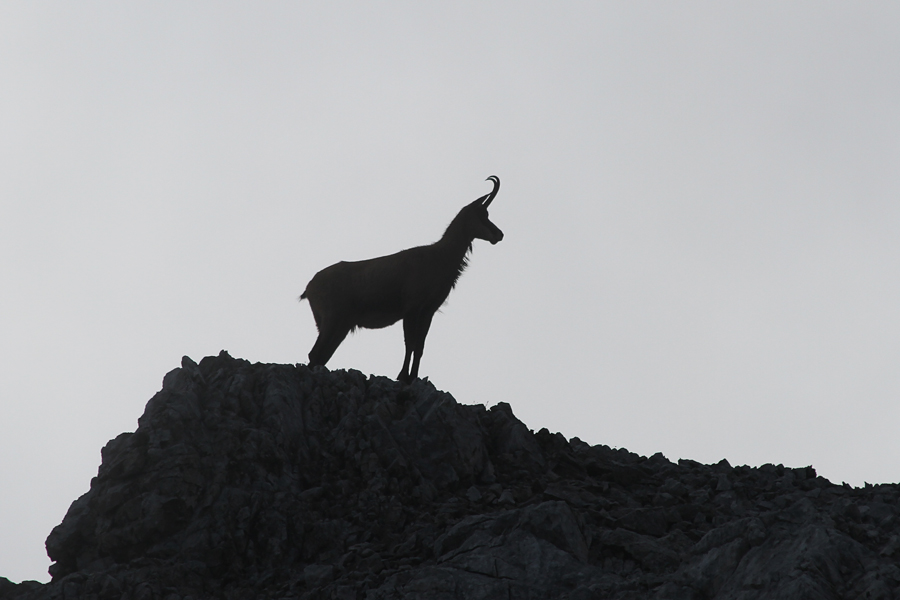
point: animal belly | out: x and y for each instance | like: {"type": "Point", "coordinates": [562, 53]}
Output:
{"type": "Point", "coordinates": [377, 320]}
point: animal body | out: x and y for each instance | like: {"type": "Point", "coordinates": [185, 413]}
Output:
{"type": "Point", "coordinates": [409, 285]}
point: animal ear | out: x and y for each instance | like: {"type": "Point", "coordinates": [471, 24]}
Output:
{"type": "Point", "coordinates": [490, 197]}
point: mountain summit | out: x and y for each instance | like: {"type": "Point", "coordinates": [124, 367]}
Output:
{"type": "Point", "coordinates": [276, 481]}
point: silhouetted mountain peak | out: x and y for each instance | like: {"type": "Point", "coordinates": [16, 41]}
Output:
{"type": "Point", "coordinates": [276, 481]}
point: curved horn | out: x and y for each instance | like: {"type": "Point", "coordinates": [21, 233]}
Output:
{"type": "Point", "coordinates": [490, 197]}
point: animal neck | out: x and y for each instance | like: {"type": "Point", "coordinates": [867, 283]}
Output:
{"type": "Point", "coordinates": [455, 246]}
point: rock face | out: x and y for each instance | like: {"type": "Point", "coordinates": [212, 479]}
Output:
{"type": "Point", "coordinates": [274, 481]}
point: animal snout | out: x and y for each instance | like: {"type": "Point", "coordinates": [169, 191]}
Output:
{"type": "Point", "coordinates": [496, 237]}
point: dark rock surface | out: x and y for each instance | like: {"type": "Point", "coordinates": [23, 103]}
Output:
{"type": "Point", "coordinates": [274, 481]}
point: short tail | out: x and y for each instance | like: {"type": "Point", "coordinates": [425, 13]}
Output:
{"type": "Point", "coordinates": [302, 296]}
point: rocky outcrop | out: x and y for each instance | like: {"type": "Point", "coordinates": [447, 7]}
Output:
{"type": "Point", "coordinates": [277, 481]}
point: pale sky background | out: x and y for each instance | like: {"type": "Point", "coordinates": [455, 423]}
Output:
{"type": "Point", "coordinates": [701, 203]}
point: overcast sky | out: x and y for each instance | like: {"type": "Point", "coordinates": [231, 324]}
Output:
{"type": "Point", "coordinates": [701, 204]}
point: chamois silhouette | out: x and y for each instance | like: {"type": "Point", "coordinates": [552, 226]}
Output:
{"type": "Point", "coordinates": [409, 285]}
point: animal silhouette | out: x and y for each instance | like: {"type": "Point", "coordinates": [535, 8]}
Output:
{"type": "Point", "coordinates": [409, 285]}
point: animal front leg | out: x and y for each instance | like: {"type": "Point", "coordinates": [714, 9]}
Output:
{"type": "Point", "coordinates": [423, 324]}
{"type": "Point", "coordinates": [407, 338]}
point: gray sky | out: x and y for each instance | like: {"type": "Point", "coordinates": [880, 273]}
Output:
{"type": "Point", "coordinates": [701, 204]}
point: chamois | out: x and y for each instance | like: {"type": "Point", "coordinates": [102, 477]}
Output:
{"type": "Point", "coordinates": [409, 285]}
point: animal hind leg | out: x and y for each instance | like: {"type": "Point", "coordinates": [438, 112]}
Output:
{"type": "Point", "coordinates": [328, 341]}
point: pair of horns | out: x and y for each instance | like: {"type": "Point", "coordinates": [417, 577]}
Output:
{"type": "Point", "coordinates": [487, 199]}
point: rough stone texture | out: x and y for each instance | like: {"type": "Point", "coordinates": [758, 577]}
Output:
{"type": "Point", "coordinates": [274, 481]}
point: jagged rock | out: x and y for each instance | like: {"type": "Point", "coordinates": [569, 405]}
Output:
{"type": "Point", "coordinates": [277, 481]}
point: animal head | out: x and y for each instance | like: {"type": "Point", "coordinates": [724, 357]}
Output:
{"type": "Point", "coordinates": [478, 223]}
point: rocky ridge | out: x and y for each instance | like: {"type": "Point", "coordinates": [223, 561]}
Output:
{"type": "Point", "coordinates": [276, 481]}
